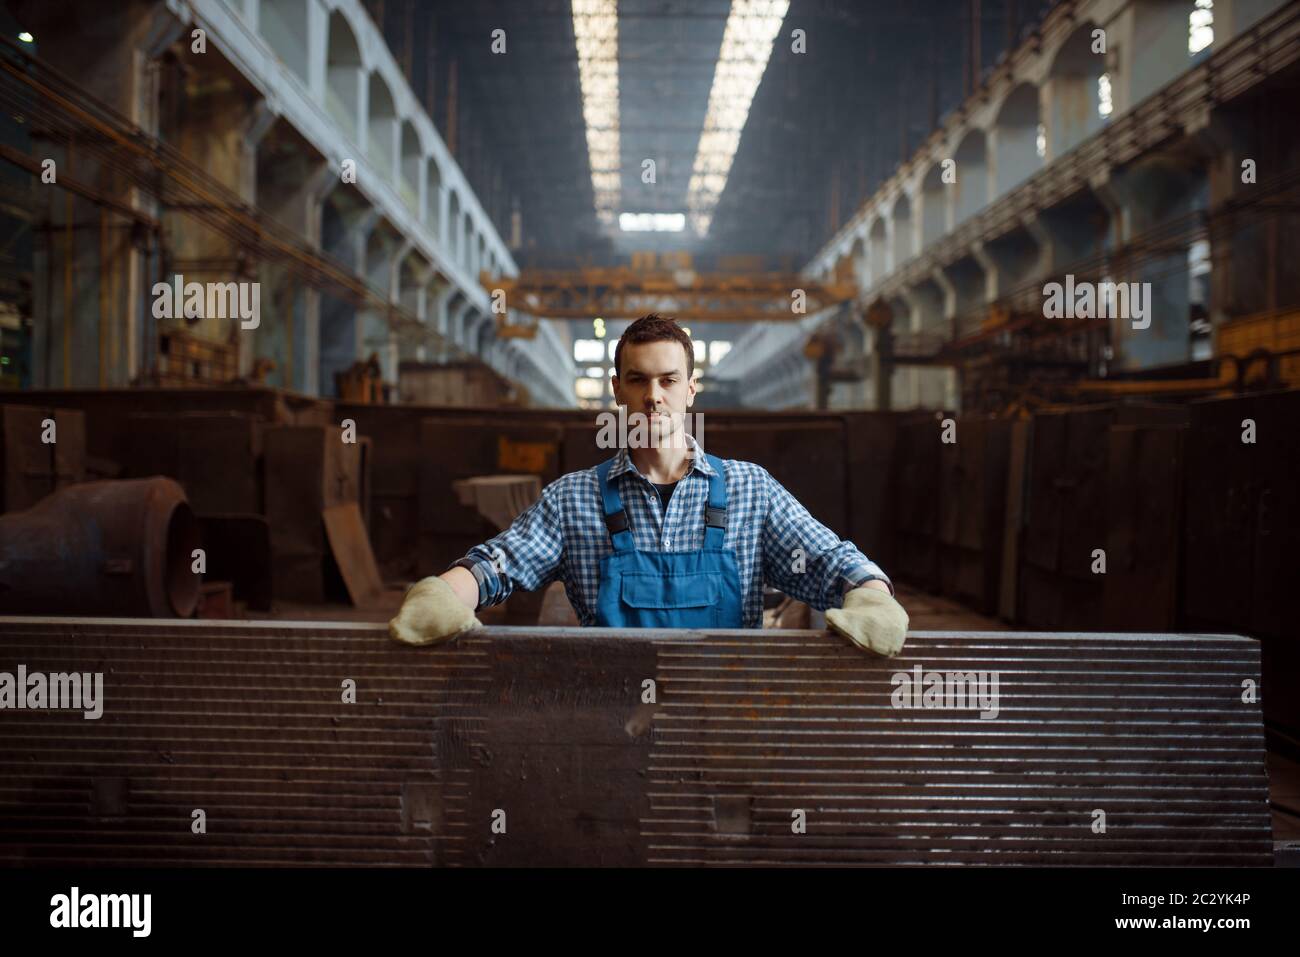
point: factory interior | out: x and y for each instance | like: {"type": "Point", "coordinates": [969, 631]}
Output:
{"type": "Point", "coordinates": [303, 300]}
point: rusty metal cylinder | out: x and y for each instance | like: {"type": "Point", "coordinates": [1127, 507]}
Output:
{"type": "Point", "coordinates": [102, 548]}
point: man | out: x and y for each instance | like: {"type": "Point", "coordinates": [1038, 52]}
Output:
{"type": "Point", "coordinates": [663, 534]}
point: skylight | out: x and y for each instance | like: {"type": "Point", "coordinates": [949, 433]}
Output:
{"type": "Point", "coordinates": [595, 30]}
{"type": "Point", "coordinates": [747, 41]}
{"type": "Point", "coordinates": [1200, 26]}
{"type": "Point", "coordinates": [652, 222]}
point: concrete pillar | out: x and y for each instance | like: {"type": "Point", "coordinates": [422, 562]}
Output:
{"type": "Point", "coordinates": [91, 284]}
{"type": "Point", "coordinates": [374, 332]}
{"type": "Point", "coordinates": [383, 129]}
{"type": "Point", "coordinates": [861, 262]}
{"type": "Point", "coordinates": [1151, 41]}
{"type": "Point", "coordinates": [317, 50]}
{"type": "Point", "coordinates": [218, 131]}
{"type": "Point", "coordinates": [879, 251]}
{"type": "Point", "coordinates": [291, 189]}
{"type": "Point", "coordinates": [1011, 262]}
{"type": "Point", "coordinates": [345, 231]}
{"type": "Point", "coordinates": [947, 307]}
{"type": "Point", "coordinates": [902, 233]}
{"type": "Point", "coordinates": [1249, 276]}
{"type": "Point", "coordinates": [441, 293]}
{"type": "Point", "coordinates": [347, 99]}
{"type": "Point", "coordinates": [1069, 96]}
{"type": "Point", "coordinates": [421, 187]}
{"type": "Point", "coordinates": [1013, 141]}
{"type": "Point", "coordinates": [256, 125]}
{"type": "Point", "coordinates": [969, 285]}
{"type": "Point", "coordinates": [935, 213]}
{"type": "Point", "coordinates": [460, 324]}
{"type": "Point", "coordinates": [444, 216]}
{"type": "Point", "coordinates": [1062, 239]}
{"type": "Point", "coordinates": [971, 192]}
{"type": "Point", "coordinates": [931, 305]}
{"type": "Point", "coordinates": [1145, 195]}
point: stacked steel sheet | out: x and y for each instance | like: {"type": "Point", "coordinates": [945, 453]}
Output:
{"type": "Point", "coordinates": [331, 744]}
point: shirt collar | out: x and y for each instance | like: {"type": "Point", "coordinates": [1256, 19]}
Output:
{"type": "Point", "coordinates": [699, 461]}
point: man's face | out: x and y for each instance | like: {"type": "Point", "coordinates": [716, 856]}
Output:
{"type": "Point", "coordinates": [654, 383]}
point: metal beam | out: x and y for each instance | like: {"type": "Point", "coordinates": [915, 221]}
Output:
{"type": "Point", "coordinates": [627, 747]}
{"type": "Point", "coordinates": [624, 293]}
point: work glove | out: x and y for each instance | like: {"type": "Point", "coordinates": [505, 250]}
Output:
{"type": "Point", "coordinates": [872, 620]}
{"type": "Point", "coordinates": [431, 613]}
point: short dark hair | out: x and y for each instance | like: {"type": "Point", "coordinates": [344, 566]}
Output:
{"type": "Point", "coordinates": [655, 328]}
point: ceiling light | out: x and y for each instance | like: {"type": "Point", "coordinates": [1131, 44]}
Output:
{"type": "Point", "coordinates": [747, 41]}
{"type": "Point", "coordinates": [595, 31]}
{"type": "Point", "coordinates": [652, 222]}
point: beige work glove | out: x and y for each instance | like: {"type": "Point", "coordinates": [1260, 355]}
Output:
{"type": "Point", "coordinates": [872, 620]}
{"type": "Point", "coordinates": [431, 613]}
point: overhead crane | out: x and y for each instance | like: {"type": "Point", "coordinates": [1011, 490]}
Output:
{"type": "Point", "coordinates": [626, 292]}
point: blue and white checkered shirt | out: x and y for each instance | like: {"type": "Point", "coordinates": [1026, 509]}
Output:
{"type": "Point", "coordinates": [563, 537]}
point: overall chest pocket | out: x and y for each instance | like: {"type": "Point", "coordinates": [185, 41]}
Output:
{"type": "Point", "coordinates": [685, 600]}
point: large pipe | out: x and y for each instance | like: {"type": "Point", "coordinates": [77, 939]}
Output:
{"type": "Point", "coordinates": [102, 548]}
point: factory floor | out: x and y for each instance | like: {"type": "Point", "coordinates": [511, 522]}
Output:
{"type": "Point", "coordinates": [927, 613]}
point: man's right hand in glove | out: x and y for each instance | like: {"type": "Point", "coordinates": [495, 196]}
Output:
{"type": "Point", "coordinates": [434, 610]}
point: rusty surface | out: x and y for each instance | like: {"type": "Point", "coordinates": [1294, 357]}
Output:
{"type": "Point", "coordinates": [350, 547]}
{"type": "Point", "coordinates": [108, 412]}
{"type": "Point", "coordinates": [916, 518]}
{"type": "Point", "coordinates": [550, 726]}
{"type": "Point", "coordinates": [32, 468]}
{"type": "Point", "coordinates": [104, 548]}
{"type": "Point", "coordinates": [1241, 529]}
{"type": "Point", "coordinates": [309, 469]}
{"type": "Point", "coordinates": [972, 501]}
{"type": "Point", "coordinates": [216, 456]}
{"type": "Point", "coordinates": [1075, 492]}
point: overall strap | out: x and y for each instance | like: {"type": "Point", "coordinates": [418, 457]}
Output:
{"type": "Point", "coordinates": [615, 514]}
{"type": "Point", "coordinates": [715, 514]}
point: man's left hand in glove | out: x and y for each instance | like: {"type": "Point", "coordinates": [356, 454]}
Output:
{"type": "Point", "coordinates": [871, 619]}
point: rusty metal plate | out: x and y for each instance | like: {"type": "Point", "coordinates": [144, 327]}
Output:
{"type": "Point", "coordinates": [806, 456]}
{"type": "Point", "coordinates": [549, 733]}
{"type": "Point", "coordinates": [1143, 533]}
{"type": "Point", "coordinates": [350, 547]}
{"type": "Point", "coordinates": [216, 456]}
{"type": "Point", "coordinates": [31, 469]}
{"type": "Point", "coordinates": [917, 458]}
{"type": "Point", "coordinates": [869, 443]}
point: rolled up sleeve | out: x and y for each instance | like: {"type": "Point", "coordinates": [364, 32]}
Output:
{"type": "Point", "coordinates": [526, 555]}
{"type": "Point", "coordinates": [805, 559]}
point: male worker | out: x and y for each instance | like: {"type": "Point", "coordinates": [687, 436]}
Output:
{"type": "Point", "coordinates": [663, 535]}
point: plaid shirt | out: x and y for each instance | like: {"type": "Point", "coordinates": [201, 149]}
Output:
{"type": "Point", "coordinates": [562, 537]}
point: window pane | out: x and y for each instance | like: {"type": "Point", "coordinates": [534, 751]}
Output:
{"type": "Point", "coordinates": [589, 388]}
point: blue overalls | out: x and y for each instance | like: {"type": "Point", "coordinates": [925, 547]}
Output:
{"type": "Point", "coordinates": [699, 589]}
